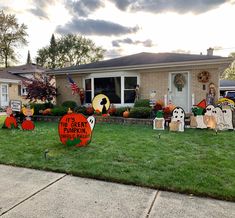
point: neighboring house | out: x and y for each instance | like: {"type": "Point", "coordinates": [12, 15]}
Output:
{"type": "Point", "coordinates": [153, 72]}
{"type": "Point", "coordinates": [11, 86]}
{"type": "Point", "coordinates": [226, 85]}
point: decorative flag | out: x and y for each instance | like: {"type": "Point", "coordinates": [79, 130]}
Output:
{"type": "Point", "coordinates": [73, 85]}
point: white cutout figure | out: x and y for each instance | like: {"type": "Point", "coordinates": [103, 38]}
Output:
{"type": "Point", "coordinates": [209, 109]}
{"type": "Point", "coordinates": [228, 121]}
{"type": "Point", "coordinates": [200, 122]}
{"type": "Point", "coordinates": [209, 120]}
{"type": "Point", "coordinates": [218, 115]}
{"type": "Point", "coordinates": [178, 116]}
{"type": "Point", "coordinates": [91, 121]}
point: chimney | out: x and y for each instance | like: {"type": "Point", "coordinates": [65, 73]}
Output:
{"type": "Point", "coordinates": [210, 51]}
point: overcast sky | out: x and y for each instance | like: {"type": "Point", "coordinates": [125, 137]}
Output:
{"type": "Point", "coordinates": [124, 27]}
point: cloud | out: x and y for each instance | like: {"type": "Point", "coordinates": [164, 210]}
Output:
{"type": "Point", "coordinates": [145, 43]}
{"type": "Point", "coordinates": [39, 8]}
{"type": "Point", "coordinates": [95, 27]}
{"type": "Point", "coordinates": [113, 53]}
{"type": "Point", "coordinates": [159, 6]}
{"type": "Point", "coordinates": [83, 8]}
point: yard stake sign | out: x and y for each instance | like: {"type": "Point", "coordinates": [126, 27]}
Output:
{"type": "Point", "coordinates": [75, 129]}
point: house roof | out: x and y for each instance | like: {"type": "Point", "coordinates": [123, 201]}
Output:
{"type": "Point", "coordinates": [16, 73]}
{"type": "Point", "coordinates": [6, 76]}
{"type": "Point", "coordinates": [140, 60]}
{"type": "Point", "coordinates": [26, 69]}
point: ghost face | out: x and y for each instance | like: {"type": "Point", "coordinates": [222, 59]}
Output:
{"type": "Point", "coordinates": [209, 109]}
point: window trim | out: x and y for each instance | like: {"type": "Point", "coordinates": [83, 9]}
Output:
{"type": "Point", "coordinates": [114, 74]}
{"type": "Point", "coordinates": [7, 94]}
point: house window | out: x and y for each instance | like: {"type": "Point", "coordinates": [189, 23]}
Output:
{"type": "Point", "coordinates": [109, 86]}
{"type": "Point", "coordinates": [129, 89]}
{"type": "Point", "coordinates": [4, 95]}
{"type": "Point", "coordinates": [22, 90]}
{"type": "Point", "coordinates": [88, 90]}
{"type": "Point", "coordinates": [118, 87]}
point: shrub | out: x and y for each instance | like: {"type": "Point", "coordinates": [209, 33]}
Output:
{"type": "Point", "coordinates": [119, 111]}
{"type": "Point", "coordinates": [80, 110]}
{"type": "Point", "coordinates": [38, 108]}
{"type": "Point", "coordinates": [59, 111]}
{"type": "Point", "coordinates": [140, 112]}
{"type": "Point", "coordinates": [89, 110]}
{"type": "Point", "coordinates": [142, 103]}
{"type": "Point", "coordinates": [70, 104]}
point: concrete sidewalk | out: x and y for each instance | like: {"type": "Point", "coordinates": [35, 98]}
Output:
{"type": "Point", "coordinates": [32, 193]}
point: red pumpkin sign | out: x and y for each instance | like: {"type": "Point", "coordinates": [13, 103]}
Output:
{"type": "Point", "coordinates": [10, 122]}
{"type": "Point", "coordinates": [74, 130]}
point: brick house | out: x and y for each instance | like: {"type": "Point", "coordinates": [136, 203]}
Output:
{"type": "Point", "coordinates": [11, 87]}
{"type": "Point", "coordinates": [153, 72]}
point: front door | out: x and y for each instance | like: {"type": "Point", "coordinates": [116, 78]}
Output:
{"type": "Point", "coordinates": [4, 95]}
{"type": "Point", "coordinates": [179, 89]}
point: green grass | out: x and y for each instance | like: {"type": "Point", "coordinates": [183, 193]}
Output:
{"type": "Point", "coordinates": [196, 161]}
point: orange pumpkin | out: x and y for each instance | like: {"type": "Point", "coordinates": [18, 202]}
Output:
{"type": "Point", "coordinates": [27, 125]}
{"type": "Point", "coordinates": [47, 111]}
{"type": "Point", "coordinates": [10, 122]}
{"type": "Point", "coordinates": [126, 114]}
{"type": "Point", "coordinates": [74, 130]}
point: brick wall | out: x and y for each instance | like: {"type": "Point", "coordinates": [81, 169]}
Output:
{"type": "Point", "coordinates": [64, 90]}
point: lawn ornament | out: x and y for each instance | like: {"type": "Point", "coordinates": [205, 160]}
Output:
{"type": "Point", "coordinates": [10, 121]}
{"type": "Point", "coordinates": [91, 121]}
{"type": "Point", "coordinates": [218, 115]}
{"type": "Point", "coordinates": [159, 121]}
{"type": "Point", "coordinates": [126, 113]}
{"type": "Point", "coordinates": [209, 120]}
{"type": "Point", "coordinates": [101, 103]}
{"type": "Point", "coordinates": [228, 118]}
{"type": "Point", "coordinates": [177, 120]}
{"type": "Point", "coordinates": [28, 124]}
{"type": "Point", "coordinates": [200, 122]}
{"type": "Point", "coordinates": [75, 129]}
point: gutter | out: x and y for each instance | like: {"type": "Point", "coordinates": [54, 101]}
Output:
{"type": "Point", "coordinates": [143, 67]}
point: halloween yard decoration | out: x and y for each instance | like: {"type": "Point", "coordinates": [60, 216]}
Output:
{"type": "Point", "coordinates": [76, 129]}
{"type": "Point", "coordinates": [10, 121]}
{"type": "Point", "coordinates": [177, 120]}
{"type": "Point", "coordinates": [101, 104]}
{"type": "Point", "coordinates": [228, 121]}
{"type": "Point", "coordinates": [159, 121]}
{"type": "Point", "coordinates": [28, 124]}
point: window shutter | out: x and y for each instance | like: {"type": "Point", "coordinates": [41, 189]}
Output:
{"type": "Point", "coordinates": [19, 90]}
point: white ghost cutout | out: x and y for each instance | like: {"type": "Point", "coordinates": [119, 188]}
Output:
{"type": "Point", "coordinates": [228, 121]}
{"type": "Point", "coordinates": [91, 121]}
{"type": "Point", "coordinates": [218, 115]}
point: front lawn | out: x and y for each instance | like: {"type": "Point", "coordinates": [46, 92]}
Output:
{"type": "Point", "coordinates": [196, 161]}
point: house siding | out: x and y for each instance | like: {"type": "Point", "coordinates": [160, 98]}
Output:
{"type": "Point", "coordinates": [158, 81]}
{"type": "Point", "coordinates": [152, 80]}
{"type": "Point", "coordinates": [64, 90]}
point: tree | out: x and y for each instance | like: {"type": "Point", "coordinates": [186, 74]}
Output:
{"type": "Point", "coordinates": [52, 51]}
{"type": "Point", "coordinates": [12, 36]}
{"type": "Point", "coordinates": [229, 72]}
{"type": "Point", "coordinates": [29, 61]}
{"type": "Point", "coordinates": [40, 88]}
{"type": "Point", "coordinates": [69, 50]}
